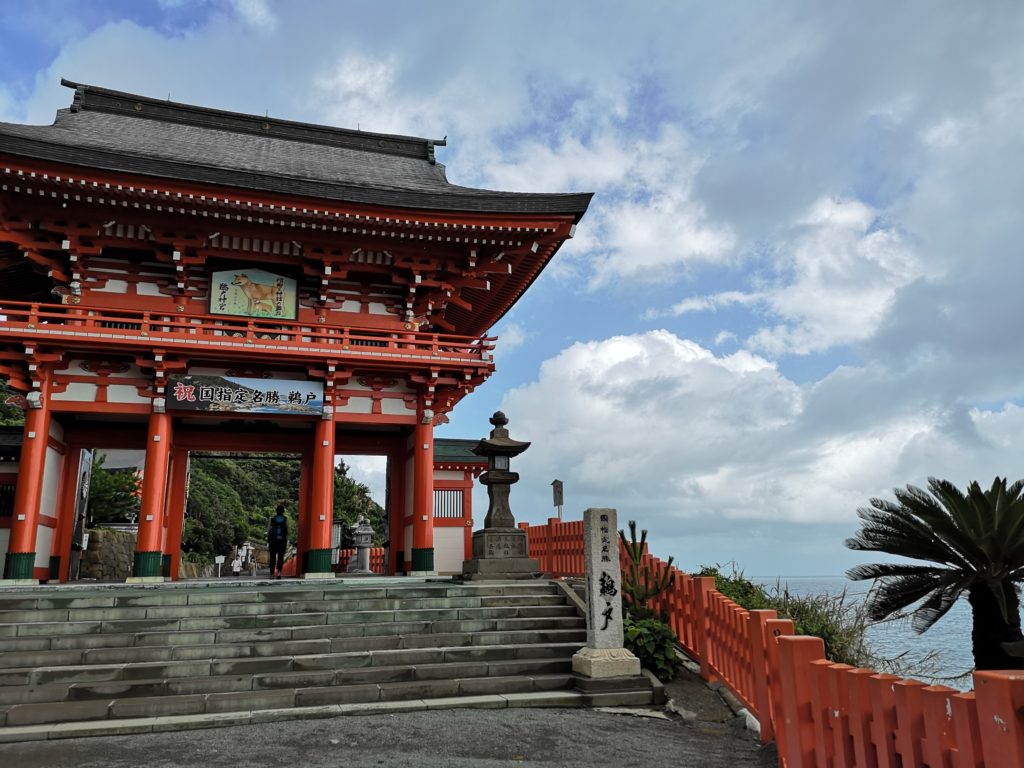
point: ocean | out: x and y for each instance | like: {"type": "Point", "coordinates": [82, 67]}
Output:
{"type": "Point", "coordinates": [942, 655]}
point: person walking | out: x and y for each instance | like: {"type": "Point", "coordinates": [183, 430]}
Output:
{"type": "Point", "coordinates": [277, 541]}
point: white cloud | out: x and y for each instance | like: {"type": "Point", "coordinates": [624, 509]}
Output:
{"type": "Point", "coordinates": [511, 336]}
{"type": "Point", "coordinates": [256, 14]}
{"type": "Point", "coordinates": [371, 471]}
{"type": "Point", "coordinates": [644, 225]}
{"type": "Point", "coordinates": [670, 432]}
{"type": "Point", "coordinates": [835, 281]}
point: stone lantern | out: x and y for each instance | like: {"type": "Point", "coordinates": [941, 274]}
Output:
{"type": "Point", "coordinates": [499, 549]}
{"type": "Point", "coordinates": [362, 538]}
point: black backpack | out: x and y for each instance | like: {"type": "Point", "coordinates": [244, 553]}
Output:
{"type": "Point", "coordinates": [278, 528]}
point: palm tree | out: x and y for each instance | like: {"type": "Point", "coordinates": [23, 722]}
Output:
{"type": "Point", "coordinates": [973, 542]}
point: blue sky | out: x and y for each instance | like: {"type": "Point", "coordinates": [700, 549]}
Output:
{"type": "Point", "coordinates": [797, 286]}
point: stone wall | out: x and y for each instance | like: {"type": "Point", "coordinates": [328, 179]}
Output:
{"type": "Point", "coordinates": [109, 556]}
{"type": "Point", "coordinates": [187, 570]}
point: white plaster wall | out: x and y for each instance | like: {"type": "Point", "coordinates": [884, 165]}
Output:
{"type": "Point", "coordinates": [449, 550]}
{"type": "Point", "coordinates": [124, 393]}
{"type": "Point", "coordinates": [449, 474]}
{"type": "Point", "coordinates": [147, 289]}
{"type": "Point", "coordinates": [56, 430]}
{"type": "Point", "coordinates": [375, 308]}
{"type": "Point", "coordinates": [395, 407]}
{"type": "Point", "coordinates": [78, 392]}
{"type": "Point", "coordinates": [51, 484]}
{"type": "Point", "coordinates": [44, 541]}
{"type": "Point", "coordinates": [112, 286]}
{"type": "Point", "coordinates": [355, 405]}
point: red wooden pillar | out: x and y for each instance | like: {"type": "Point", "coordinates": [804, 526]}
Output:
{"type": "Point", "coordinates": [21, 551]}
{"type": "Point", "coordinates": [423, 500]}
{"type": "Point", "coordinates": [321, 508]}
{"type": "Point", "coordinates": [302, 534]}
{"type": "Point", "coordinates": [396, 513]}
{"type": "Point", "coordinates": [176, 511]}
{"type": "Point", "coordinates": [149, 542]}
{"type": "Point", "coordinates": [67, 508]}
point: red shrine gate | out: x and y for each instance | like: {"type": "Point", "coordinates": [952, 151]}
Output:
{"type": "Point", "coordinates": [177, 278]}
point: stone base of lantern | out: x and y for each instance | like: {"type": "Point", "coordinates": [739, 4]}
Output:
{"type": "Point", "coordinates": [605, 662]}
{"type": "Point", "coordinates": [498, 554]}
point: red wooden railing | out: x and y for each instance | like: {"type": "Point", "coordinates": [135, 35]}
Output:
{"type": "Point", "coordinates": [376, 561]}
{"type": "Point", "coordinates": [820, 714]}
{"type": "Point", "coordinates": [132, 327]}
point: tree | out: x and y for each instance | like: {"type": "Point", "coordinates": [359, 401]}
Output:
{"type": "Point", "coordinates": [113, 495]}
{"type": "Point", "coordinates": [352, 498]}
{"type": "Point", "coordinates": [975, 544]}
{"type": "Point", "coordinates": [231, 500]}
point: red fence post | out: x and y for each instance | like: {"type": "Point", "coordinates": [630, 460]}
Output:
{"type": "Point", "coordinates": [939, 735]}
{"type": "Point", "coordinates": [1000, 696]}
{"type": "Point", "coordinates": [968, 733]}
{"type": "Point", "coordinates": [883, 719]}
{"type": "Point", "coordinates": [704, 585]}
{"type": "Point", "coordinates": [774, 629]}
{"type": "Point", "coordinates": [909, 720]}
{"type": "Point", "coordinates": [859, 717]}
{"type": "Point", "coordinates": [759, 663]}
{"type": "Point", "coordinates": [553, 530]}
{"type": "Point", "coordinates": [795, 657]}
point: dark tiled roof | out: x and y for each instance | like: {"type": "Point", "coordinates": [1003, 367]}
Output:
{"type": "Point", "coordinates": [116, 131]}
{"type": "Point", "coordinates": [456, 451]}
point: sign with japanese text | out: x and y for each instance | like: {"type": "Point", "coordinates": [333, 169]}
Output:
{"type": "Point", "coordinates": [236, 394]}
{"type": "Point", "coordinates": [253, 293]}
{"type": "Point", "coordinates": [604, 578]}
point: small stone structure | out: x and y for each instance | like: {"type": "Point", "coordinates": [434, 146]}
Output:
{"type": "Point", "coordinates": [362, 538]}
{"type": "Point", "coordinates": [500, 548]}
{"type": "Point", "coordinates": [604, 654]}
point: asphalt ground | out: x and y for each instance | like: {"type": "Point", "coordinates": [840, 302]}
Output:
{"type": "Point", "coordinates": [708, 736]}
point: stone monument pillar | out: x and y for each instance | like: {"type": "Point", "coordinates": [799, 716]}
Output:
{"type": "Point", "coordinates": [500, 548]}
{"type": "Point", "coordinates": [362, 537]}
{"type": "Point", "coordinates": [604, 654]}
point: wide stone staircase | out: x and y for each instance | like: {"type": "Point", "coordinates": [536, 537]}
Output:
{"type": "Point", "coordinates": [121, 659]}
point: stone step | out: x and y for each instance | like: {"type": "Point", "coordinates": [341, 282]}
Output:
{"type": "Point", "coordinates": [167, 595]}
{"type": "Point", "coordinates": [314, 678]}
{"type": "Point", "coordinates": [114, 707]}
{"type": "Point", "coordinates": [16, 660]}
{"type": "Point", "coordinates": [277, 664]}
{"type": "Point", "coordinates": [121, 626]}
{"type": "Point", "coordinates": [210, 636]}
{"type": "Point", "coordinates": [261, 608]}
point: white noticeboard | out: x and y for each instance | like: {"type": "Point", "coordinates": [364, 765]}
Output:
{"type": "Point", "coordinates": [218, 559]}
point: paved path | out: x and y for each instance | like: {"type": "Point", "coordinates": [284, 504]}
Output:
{"type": "Point", "coordinates": [508, 738]}
{"type": "Point", "coordinates": [711, 737]}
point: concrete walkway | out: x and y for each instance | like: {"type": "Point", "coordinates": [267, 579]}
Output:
{"type": "Point", "coordinates": [709, 737]}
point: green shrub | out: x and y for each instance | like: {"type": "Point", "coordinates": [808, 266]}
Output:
{"type": "Point", "coordinates": [197, 557]}
{"type": "Point", "coordinates": [838, 621]}
{"type": "Point", "coordinates": [654, 643]}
